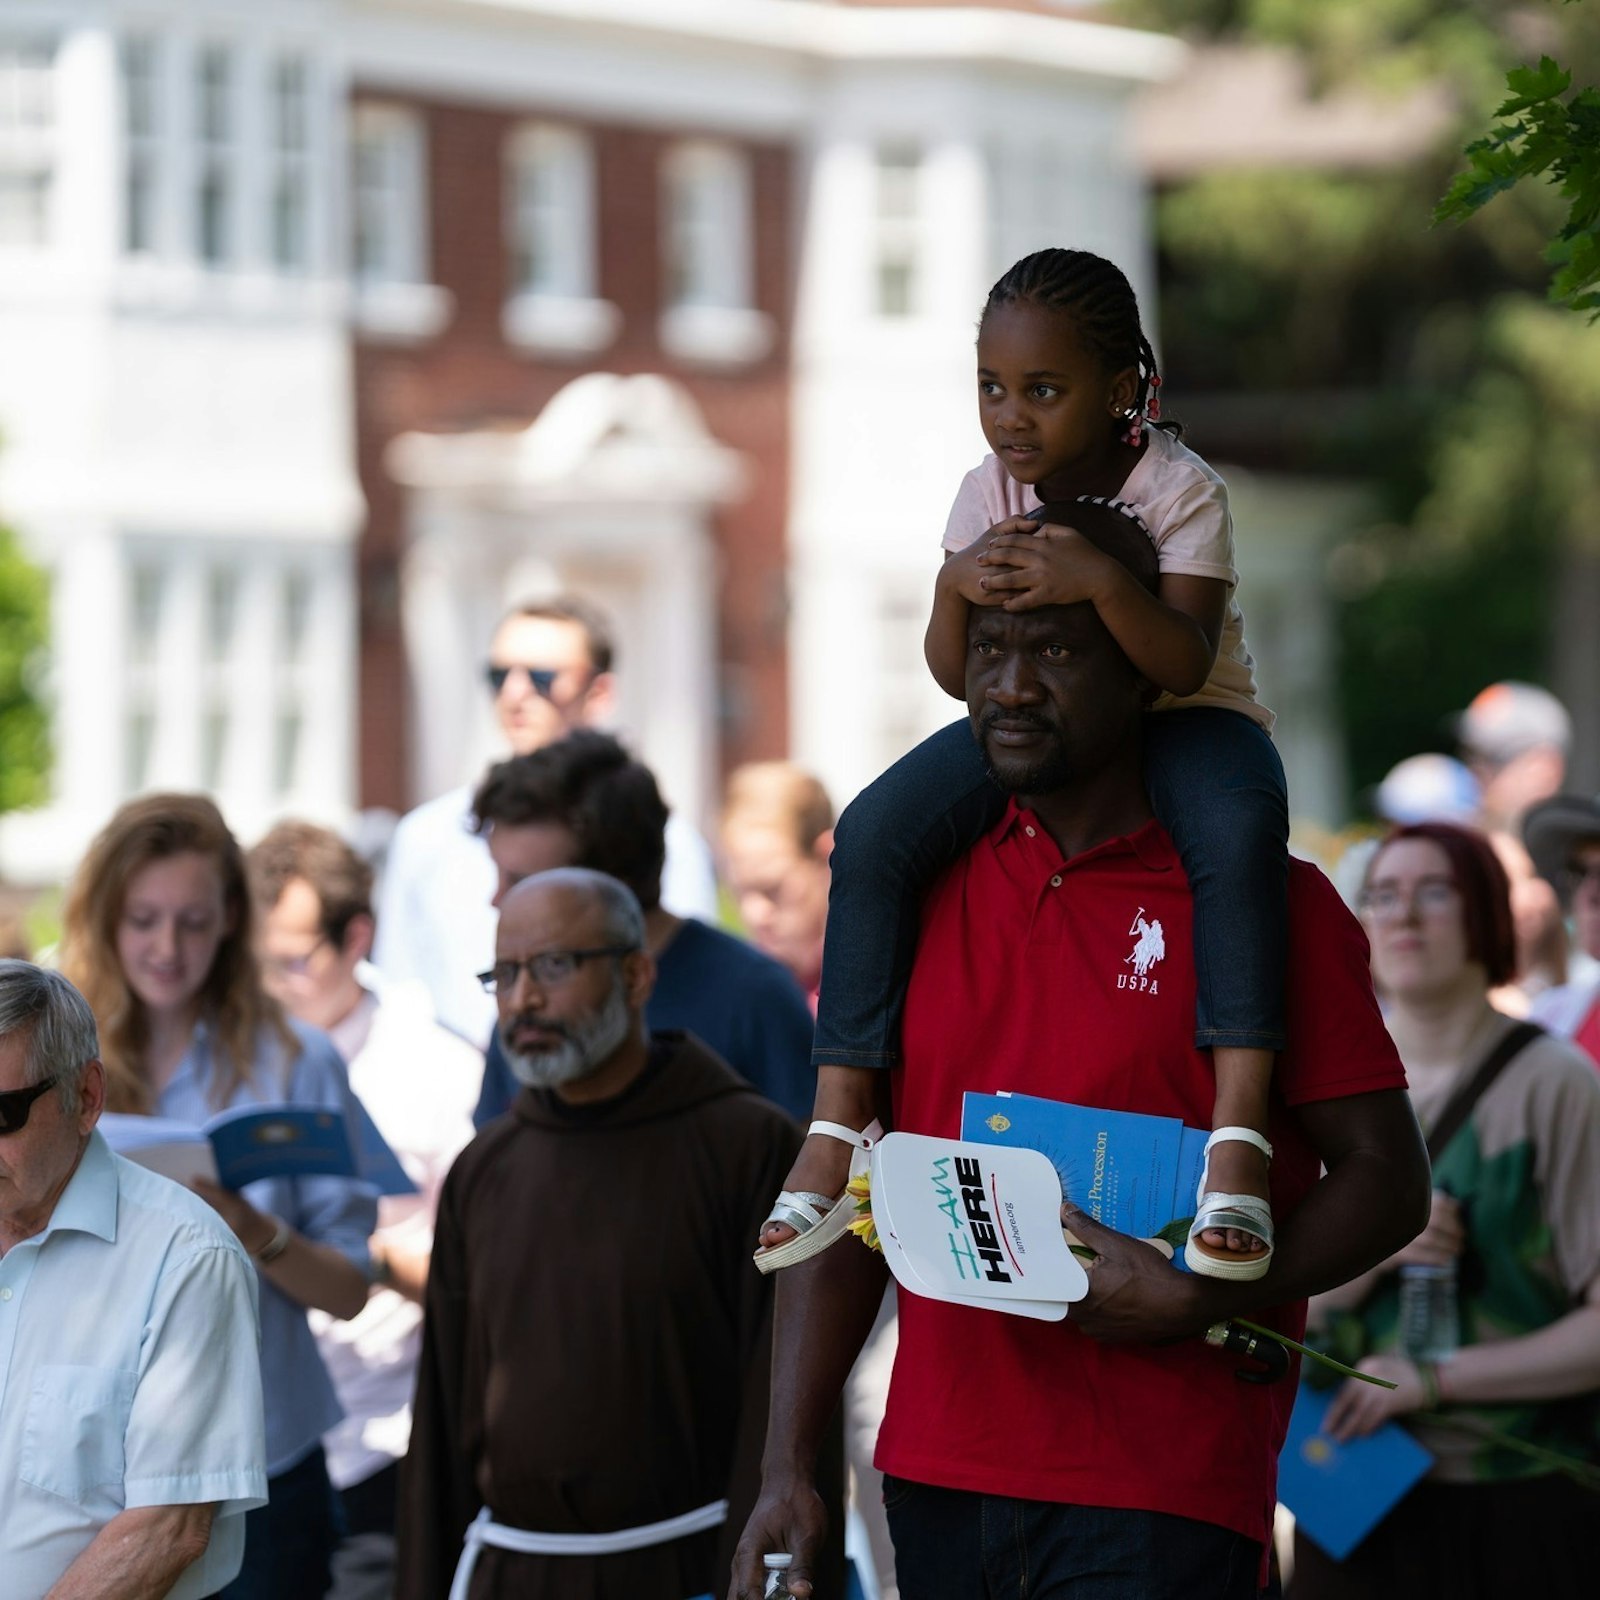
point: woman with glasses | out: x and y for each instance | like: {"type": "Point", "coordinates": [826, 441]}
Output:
{"type": "Point", "coordinates": [1516, 1215]}
{"type": "Point", "coordinates": [158, 939]}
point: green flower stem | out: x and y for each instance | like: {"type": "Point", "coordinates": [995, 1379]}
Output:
{"type": "Point", "coordinates": [1581, 1472]}
{"type": "Point", "coordinates": [1315, 1355]}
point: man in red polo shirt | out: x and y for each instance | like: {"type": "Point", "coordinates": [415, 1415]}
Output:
{"type": "Point", "coordinates": [1113, 1456]}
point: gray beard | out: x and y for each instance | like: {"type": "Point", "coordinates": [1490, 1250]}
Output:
{"type": "Point", "coordinates": [587, 1045]}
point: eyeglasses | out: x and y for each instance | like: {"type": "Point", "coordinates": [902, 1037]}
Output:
{"type": "Point", "coordinates": [548, 967]}
{"type": "Point", "coordinates": [542, 679]}
{"type": "Point", "coordinates": [15, 1104]}
{"type": "Point", "coordinates": [293, 966]}
{"type": "Point", "coordinates": [1430, 897]}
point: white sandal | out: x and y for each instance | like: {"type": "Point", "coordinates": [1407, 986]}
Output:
{"type": "Point", "coordinates": [1244, 1213]}
{"type": "Point", "coordinates": [817, 1219]}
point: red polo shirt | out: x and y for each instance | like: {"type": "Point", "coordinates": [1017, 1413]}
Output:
{"type": "Point", "coordinates": [1026, 979]}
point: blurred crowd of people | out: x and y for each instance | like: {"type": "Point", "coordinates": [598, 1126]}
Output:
{"type": "Point", "coordinates": [540, 961]}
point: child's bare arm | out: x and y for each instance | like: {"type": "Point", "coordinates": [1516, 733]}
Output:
{"type": "Point", "coordinates": [1171, 636]}
{"type": "Point", "coordinates": [945, 643]}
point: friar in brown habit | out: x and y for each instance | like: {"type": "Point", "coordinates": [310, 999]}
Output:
{"type": "Point", "coordinates": [592, 1393]}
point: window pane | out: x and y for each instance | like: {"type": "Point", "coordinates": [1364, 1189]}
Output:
{"type": "Point", "coordinates": [214, 95]}
{"type": "Point", "coordinates": [286, 751]}
{"type": "Point", "coordinates": [211, 219]}
{"type": "Point", "coordinates": [139, 100]}
{"type": "Point", "coordinates": [289, 222]}
{"type": "Point", "coordinates": [550, 213]}
{"type": "Point", "coordinates": [140, 742]}
{"type": "Point", "coordinates": [222, 613]}
{"type": "Point", "coordinates": [297, 593]}
{"type": "Point", "coordinates": [146, 592]}
{"type": "Point", "coordinates": [27, 89]}
{"type": "Point", "coordinates": [24, 209]}
{"type": "Point", "coordinates": [214, 729]}
{"type": "Point", "coordinates": [289, 105]}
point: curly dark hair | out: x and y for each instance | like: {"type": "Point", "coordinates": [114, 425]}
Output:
{"type": "Point", "coordinates": [589, 784]}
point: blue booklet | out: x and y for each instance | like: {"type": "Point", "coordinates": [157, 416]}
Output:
{"type": "Point", "coordinates": [243, 1146]}
{"type": "Point", "coordinates": [1131, 1171]}
{"type": "Point", "coordinates": [1340, 1492]}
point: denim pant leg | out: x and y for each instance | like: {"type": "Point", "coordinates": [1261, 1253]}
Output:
{"type": "Point", "coordinates": [897, 835]}
{"type": "Point", "coordinates": [1217, 784]}
{"type": "Point", "coordinates": [953, 1545]}
{"type": "Point", "coordinates": [289, 1541]}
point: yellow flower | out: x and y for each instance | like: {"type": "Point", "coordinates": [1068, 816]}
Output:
{"type": "Point", "coordinates": [859, 1189]}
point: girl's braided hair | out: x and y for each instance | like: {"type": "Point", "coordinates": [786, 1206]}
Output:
{"type": "Point", "coordinates": [1104, 312]}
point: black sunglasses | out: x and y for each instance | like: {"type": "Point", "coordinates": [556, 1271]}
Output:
{"type": "Point", "coordinates": [543, 679]}
{"type": "Point", "coordinates": [15, 1104]}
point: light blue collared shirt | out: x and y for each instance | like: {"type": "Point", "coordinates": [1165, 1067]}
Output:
{"type": "Point", "coordinates": [301, 1405]}
{"type": "Point", "coordinates": [129, 1374]}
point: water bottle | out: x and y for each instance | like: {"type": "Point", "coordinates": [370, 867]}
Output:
{"type": "Point", "coordinates": [777, 1566]}
{"type": "Point", "coordinates": [1429, 1327]}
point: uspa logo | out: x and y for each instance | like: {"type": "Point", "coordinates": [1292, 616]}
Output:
{"type": "Point", "coordinates": [1149, 950]}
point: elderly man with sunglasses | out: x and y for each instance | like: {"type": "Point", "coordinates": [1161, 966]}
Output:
{"type": "Point", "coordinates": [592, 1394]}
{"type": "Point", "coordinates": [131, 1436]}
{"type": "Point", "coordinates": [551, 669]}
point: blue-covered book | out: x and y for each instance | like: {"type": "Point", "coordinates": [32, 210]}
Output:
{"type": "Point", "coordinates": [242, 1146]}
{"type": "Point", "coordinates": [1340, 1492]}
{"type": "Point", "coordinates": [1131, 1171]}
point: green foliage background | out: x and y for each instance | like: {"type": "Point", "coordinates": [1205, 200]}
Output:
{"type": "Point", "coordinates": [1427, 361]}
{"type": "Point", "coordinates": [24, 631]}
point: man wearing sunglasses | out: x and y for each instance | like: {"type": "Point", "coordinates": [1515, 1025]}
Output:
{"type": "Point", "coordinates": [592, 1394]}
{"type": "Point", "coordinates": [1563, 836]}
{"type": "Point", "coordinates": [550, 669]}
{"type": "Point", "coordinates": [131, 1439]}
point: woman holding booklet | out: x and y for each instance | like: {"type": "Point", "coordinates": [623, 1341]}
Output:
{"type": "Point", "coordinates": [1512, 1416]}
{"type": "Point", "coordinates": [157, 938]}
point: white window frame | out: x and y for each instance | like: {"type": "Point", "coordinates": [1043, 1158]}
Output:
{"type": "Point", "coordinates": [28, 126]}
{"type": "Point", "coordinates": [393, 296]}
{"type": "Point", "coordinates": [143, 148]}
{"type": "Point", "coordinates": [551, 223]}
{"type": "Point", "coordinates": [708, 256]}
{"type": "Point", "coordinates": [291, 82]}
{"type": "Point", "coordinates": [216, 152]}
{"type": "Point", "coordinates": [898, 178]}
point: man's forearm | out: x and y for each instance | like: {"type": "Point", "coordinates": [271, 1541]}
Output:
{"type": "Point", "coordinates": [138, 1555]}
{"type": "Point", "coordinates": [1365, 1209]}
{"type": "Point", "coordinates": [824, 1307]}
{"type": "Point", "coordinates": [825, 1310]}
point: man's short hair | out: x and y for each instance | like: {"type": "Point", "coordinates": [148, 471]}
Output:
{"type": "Point", "coordinates": [1113, 527]}
{"type": "Point", "coordinates": [782, 796]}
{"type": "Point", "coordinates": [57, 1023]}
{"type": "Point", "coordinates": [588, 784]}
{"type": "Point", "coordinates": [598, 633]}
{"type": "Point", "coordinates": [341, 879]}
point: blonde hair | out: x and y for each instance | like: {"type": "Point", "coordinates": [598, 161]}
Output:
{"type": "Point", "coordinates": [780, 795]}
{"type": "Point", "coordinates": [232, 1001]}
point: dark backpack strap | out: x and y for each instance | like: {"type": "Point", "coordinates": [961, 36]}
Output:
{"type": "Point", "coordinates": [1462, 1103]}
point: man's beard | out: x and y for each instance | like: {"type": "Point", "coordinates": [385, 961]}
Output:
{"type": "Point", "coordinates": [1042, 774]}
{"type": "Point", "coordinates": [584, 1045]}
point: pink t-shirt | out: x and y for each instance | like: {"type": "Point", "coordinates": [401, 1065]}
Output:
{"type": "Point", "coordinates": [1184, 504]}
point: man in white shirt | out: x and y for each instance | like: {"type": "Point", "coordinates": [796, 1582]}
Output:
{"type": "Point", "coordinates": [550, 670]}
{"type": "Point", "coordinates": [131, 1437]}
{"type": "Point", "coordinates": [313, 899]}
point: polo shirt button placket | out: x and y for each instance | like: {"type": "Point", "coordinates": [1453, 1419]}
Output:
{"type": "Point", "coordinates": [1055, 882]}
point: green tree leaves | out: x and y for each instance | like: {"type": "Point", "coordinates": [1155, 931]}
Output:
{"type": "Point", "coordinates": [1543, 131]}
{"type": "Point", "coordinates": [24, 630]}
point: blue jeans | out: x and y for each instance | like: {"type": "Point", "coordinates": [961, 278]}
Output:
{"type": "Point", "coordinates": [1215, 783]}
{"type": "Point", "coordinates": [289, 1541]}
{"type": "Point", "coordinates": [953, 1545]}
